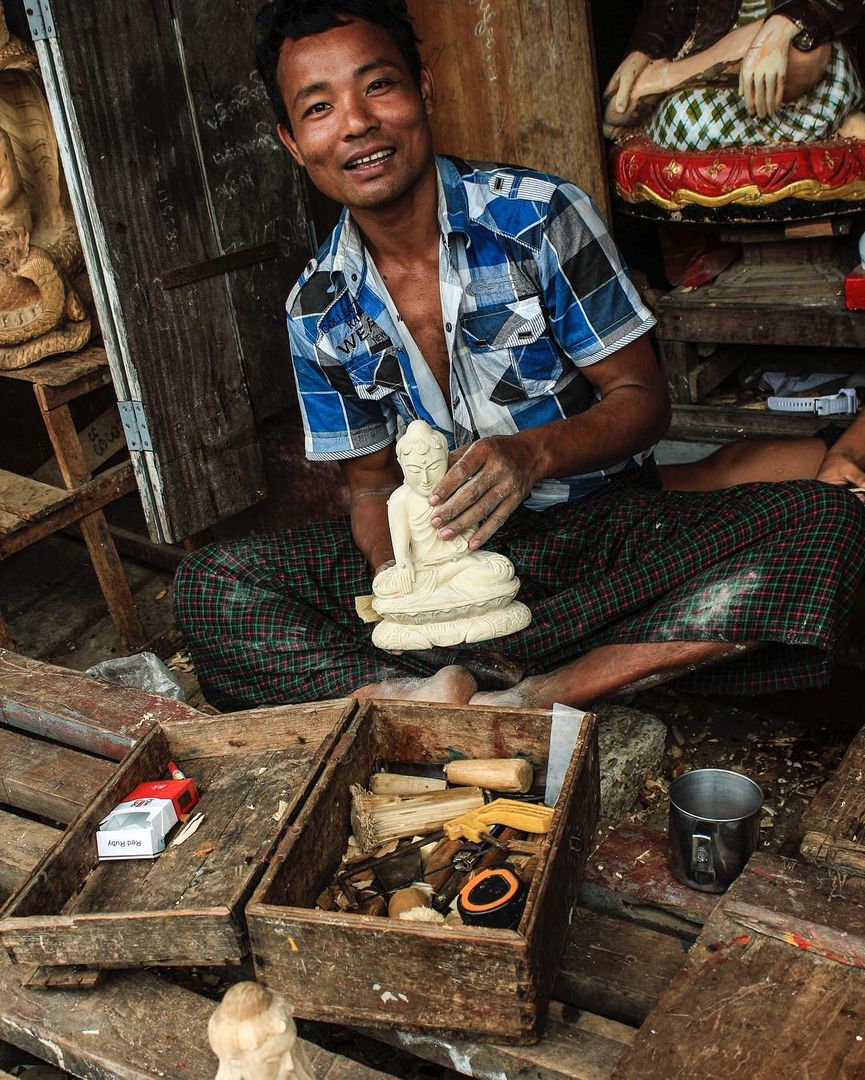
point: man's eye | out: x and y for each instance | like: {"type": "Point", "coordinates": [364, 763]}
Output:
{"type": "Point", "coordinates": [379, 84]}
{"type": "Point", "coordinates": [318, 107]}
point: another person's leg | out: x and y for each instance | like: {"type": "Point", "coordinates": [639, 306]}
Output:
{"type": "Point", "coordinates": [746, 462]}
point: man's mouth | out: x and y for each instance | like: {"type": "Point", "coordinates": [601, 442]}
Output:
{"type": "Point", "coordinates": [370, 160]}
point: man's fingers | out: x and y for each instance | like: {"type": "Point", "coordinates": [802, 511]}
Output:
{"type": "Point", "coordinates": [473, 516]}
{"type": "Point", "coordinates": [451, 514]}
{"type": "Point", "coordinates": [760, 95]}
{"type": "Point", "coordinates": [494, 522]}
{"type": "Point", "coordinates": [623, 94]}
{"type": "Point", "coordinates": [461, 469]}
{"type": "Point", "coordinates": [769, 102]}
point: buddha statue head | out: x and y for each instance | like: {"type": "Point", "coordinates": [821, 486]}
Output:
{"type": "Point", "coordinates": [423, 457]}
{"type": "Point", "coordinates": [253, 1034]}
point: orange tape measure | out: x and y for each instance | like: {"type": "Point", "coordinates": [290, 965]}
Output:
{"type": "Point", "coordinates": [494, 897]}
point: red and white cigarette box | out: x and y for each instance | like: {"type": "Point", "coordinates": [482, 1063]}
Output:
{"type": "Point", "coordinates": [136, 829]}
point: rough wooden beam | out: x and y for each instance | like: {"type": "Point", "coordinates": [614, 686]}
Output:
{"type": "Point", "coordinates": [48, 780]}
{"type": "Point", "coordinates": [576, 1045]}
{"type": "Point", "coordinates": [78, 710]}
{"type": "Point", "coordinates": [22, 845]}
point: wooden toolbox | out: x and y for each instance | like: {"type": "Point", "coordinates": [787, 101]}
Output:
{"type": "Point", "coordinates": [254, 771]}
{"type": "Point", "coordinates": [364, 969]}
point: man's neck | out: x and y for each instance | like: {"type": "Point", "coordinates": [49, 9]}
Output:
{"type": "Point", "coordinates": [406, 230]}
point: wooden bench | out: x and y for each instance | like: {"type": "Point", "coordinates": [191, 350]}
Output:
{"type": "Point", "coordinates": [30, 509]}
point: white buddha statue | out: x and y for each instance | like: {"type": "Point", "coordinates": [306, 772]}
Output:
{"type": "Point", "coordinates": [438, 592]}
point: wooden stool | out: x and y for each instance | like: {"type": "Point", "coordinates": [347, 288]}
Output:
{"type": "Point", "coordinates": [31, 510]}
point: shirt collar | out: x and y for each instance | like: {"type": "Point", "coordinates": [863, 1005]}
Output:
{"type": "Point", "coordinates": [347, 252]}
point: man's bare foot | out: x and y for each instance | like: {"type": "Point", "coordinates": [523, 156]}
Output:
{"type": "Point", "coordinates": [452, 685]}
{"type": "Point", "coordinates": [529, 694]}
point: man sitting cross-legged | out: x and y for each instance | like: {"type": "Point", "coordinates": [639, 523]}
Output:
{"type": "Point", "coordinates": [490, 302]}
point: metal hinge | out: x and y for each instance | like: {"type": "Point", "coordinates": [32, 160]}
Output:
{"type": "Point", "coordinates": [135, 425]}
{"type": "Point", "coordinates": [40, 19]}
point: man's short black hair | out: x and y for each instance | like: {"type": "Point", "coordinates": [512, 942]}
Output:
{"type": "Point", "coordinates": [281, 19]}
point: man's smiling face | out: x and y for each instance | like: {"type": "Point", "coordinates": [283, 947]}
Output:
{"type": "Point", "coordinates": [359, 123]}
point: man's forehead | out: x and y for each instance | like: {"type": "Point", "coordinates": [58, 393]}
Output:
{"type": "Point", "coordinates": [338, 53]}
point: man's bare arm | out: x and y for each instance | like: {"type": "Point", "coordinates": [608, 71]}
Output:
{"type": "Point", "coordinates": [493, 476]}
{"type": "Point", "coordinates": [371, 479]}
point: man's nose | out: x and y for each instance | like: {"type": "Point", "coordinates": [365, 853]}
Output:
{"type": "Point", "coordinates": [359, 118]}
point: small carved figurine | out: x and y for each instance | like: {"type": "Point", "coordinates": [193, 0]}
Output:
{"type": "Point", "coordinates": [438, 592]}
{"type": "Point", "coordinates": [254, 1036]}
{"type": "Point", "coordinates": [703, 74]}
{"type": "Point", "coordinates": [41, 314]}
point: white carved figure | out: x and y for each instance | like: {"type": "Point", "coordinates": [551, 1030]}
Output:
{"type": "Point", "coordinates": [438, 592]}
{"type": "Point", "coordinates": [254, 1036]}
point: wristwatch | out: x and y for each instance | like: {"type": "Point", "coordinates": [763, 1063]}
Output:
{"type": "Point", "coordinates": [804, 40]}
{"type": "Point", "coordinates": [844, 403]}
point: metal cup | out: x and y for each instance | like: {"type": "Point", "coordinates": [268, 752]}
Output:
{"type": "Point", "coordinates": [714, 827]}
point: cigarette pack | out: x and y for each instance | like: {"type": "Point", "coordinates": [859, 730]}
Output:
{"type": "Point", "coordinates": [136, 829]}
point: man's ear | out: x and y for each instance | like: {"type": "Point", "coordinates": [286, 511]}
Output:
{"type": "Point", "coordinates": [289, 143]}
{"type": "Point", "coordinates": [427, 90]}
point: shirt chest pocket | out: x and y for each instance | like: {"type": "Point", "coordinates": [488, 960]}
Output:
{"type": "Point", "coordinates": [374, 377]}
{"type": "Point", "coordinates": [514, 352]}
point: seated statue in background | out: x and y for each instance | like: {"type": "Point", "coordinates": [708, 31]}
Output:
{"type": "Point", "coordinates": [252, 1032]}
{"type": "Point", "coordinates": [41, 313]}
{"type": "Point", "coordinates": [438, 592]}
{"type": "Point", "coordinates": [703, 74]}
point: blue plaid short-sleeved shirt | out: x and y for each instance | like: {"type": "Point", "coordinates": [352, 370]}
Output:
{"type": "Point", "coordinates": [533, 290]}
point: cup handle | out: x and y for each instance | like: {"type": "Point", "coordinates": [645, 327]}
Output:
{"type": "Point", "coordinates": [702, 863]}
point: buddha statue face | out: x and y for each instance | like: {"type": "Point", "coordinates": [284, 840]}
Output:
{"type": "Point", "coordinates": [423, 457]}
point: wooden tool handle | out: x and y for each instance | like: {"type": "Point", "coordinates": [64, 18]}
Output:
{"type": "Point", "coordinates": [497, 774]}
{"type": "Point", "coordinates": [438, 868]}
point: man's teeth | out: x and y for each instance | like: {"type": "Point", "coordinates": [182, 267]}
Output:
{"type": "Point", "coordinates": [380, 155]}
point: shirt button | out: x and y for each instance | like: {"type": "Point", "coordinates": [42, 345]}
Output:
{"type": "Point", "coordinates": [448, 327]}
{"type": "Point", "coordinates": [354, 277]}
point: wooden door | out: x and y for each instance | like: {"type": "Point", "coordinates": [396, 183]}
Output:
{"type": "Point", "coordinates": [194, 225]}
{"type": "Point", "coordinates": [516, 83]}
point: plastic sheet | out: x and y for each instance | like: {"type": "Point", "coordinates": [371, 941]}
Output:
{"type": "Point", "coordinates": [143, 671]}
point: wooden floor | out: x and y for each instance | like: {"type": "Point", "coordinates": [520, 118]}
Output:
{"type": "Point", "coordinates": [629, 955]}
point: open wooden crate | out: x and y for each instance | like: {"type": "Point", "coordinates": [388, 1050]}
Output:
{"type": "Point", "coordinates": [186, 906]}
{"type": "Point", "coordinates": [363, 969]}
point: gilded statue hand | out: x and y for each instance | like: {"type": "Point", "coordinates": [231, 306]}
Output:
{"type": "Point", "coordinates": [763, 74]}
{"type": "Point", "coordinates": [842, 467]}
{"type": "Point", "coordinates": [486, 482]}
{"type": "Point", "coordinates": [624, 77]}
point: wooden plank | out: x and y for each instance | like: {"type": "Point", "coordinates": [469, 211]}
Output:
{"type": "Point", "coordinates": [60, 371]}
{"type": "Point", "coordinates": [684, 316]}
{"type": "Point", "coordinates": [258, 194]}
{"type": "Point", "coordinates": [576, 1044]}
{"type": "Point", "coordinates": [100, 440]}
{"type": "Point", "coordinates": [135, 1027]}
{"type": "Point", "coordinates": [49, 780]}
{"type": "Point", "coordinates": [493, 105]}
{"type": "Point", "coordinates": [616, 968]}
{"type": "Point", "coordinates": [151, 190]}
{"type": "Point", "coordinates": [676, 359]}
{"type": "Point", "coordinates": [628, 877]}
{"type": "Point", "coordinates": [712, 423]}
{"type": "Point", "coordinates": [105, 488]}
{"type": "Point", "coordinates": [706, 375]}
{"type": "Point", "coordinates": [80, 711]}
{"type": "Point", "coordinates": [752, 1003]}
{"type": "Point", "coordinates": [834, 821]}
{"type": "Point", "coordinates": [28, 499]}
{"type": "Point", "coordinates": [22, 844]}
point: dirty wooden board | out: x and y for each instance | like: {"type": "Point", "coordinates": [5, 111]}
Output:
{"type": "Point", "coordinates": [134, 1027]}
{"type": "Point", "coordinates": [760, 986]}
{"type": "Point", "coordinates": [45, 779]}
{"type": "Point", "coordinates": [77, 710]}
{"type": "Point", "coordinates": [22, 844]}
{"type": "Point", "coordinates": [834, 822]}
{"type": "Point", "coordinates": [29, 499]}
{"type": "Point", "coordinates": [628, 877]}
{"type": "Point", "coordinates": [402, 974]}
{"type": "Point", "coordinates": [575, 1044]}
{"type": "Point", "coordinates": [616, 968]}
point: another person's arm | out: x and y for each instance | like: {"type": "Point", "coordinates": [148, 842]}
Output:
{"type": "Point", "coordinates": [844, 462]}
